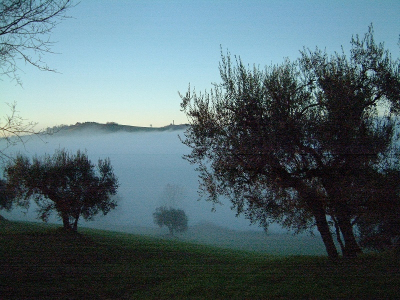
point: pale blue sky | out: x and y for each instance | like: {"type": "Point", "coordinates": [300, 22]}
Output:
{"type": "Point", "coordinates": [125, 61]}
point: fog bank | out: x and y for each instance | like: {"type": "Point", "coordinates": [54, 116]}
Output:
{"type": "Point", "coordinates": [144, 162]}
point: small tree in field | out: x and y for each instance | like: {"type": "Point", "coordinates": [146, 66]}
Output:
{"type": "Point", "coordinates": [175, 219]}
{"type": "Point", "coordinates": [68, 184]}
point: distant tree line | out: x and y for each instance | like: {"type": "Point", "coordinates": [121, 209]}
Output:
{"type": "Point", "coordinates": [309, 143]}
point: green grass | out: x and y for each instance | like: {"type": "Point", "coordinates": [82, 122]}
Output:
{"type": "Point", "coordinates": [253, 241]}
{"type": "Point", "coordinates": [43, 262]}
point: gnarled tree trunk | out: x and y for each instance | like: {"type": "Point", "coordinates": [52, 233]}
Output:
{"type": "Point", "coordinates": [324, 230]}
{"type": "Point", "coordinates": [342, 215]}
{"type": "Point", "coordinates": [65, 219]}
{"type": "Point", "coordinates": [351, 247]}
{"type": "Point", "coordinates": [75, 226]}
{"type": "Point", "coordinates": [315, 203]}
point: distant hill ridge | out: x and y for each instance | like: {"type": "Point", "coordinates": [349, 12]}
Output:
{"type": "Point", "coordinates": [110, 127]}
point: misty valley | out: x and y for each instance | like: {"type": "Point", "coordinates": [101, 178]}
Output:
{"type": "Point", "coordinates": [146, 160]}
{"type": "Point", "coordinates": [283, 183]}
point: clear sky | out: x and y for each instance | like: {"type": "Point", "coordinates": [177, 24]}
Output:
{"type": "Point", "coordinates": [125, 61]}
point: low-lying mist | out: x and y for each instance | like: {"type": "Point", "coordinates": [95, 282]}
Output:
{"type": "Point", "coordinates": [145, 163]}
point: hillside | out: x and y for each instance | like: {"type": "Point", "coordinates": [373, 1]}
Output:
{"type": "Point", "coordinates": [44, 262]}
{"type": "Point", "coordinates": [109, 127]}
{"type": "Point", "coordinates": [144, 162]}
{"type": "Point", "coordinates": [206, 233]}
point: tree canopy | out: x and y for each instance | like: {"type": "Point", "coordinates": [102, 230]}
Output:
{"type": "Point", "coordinates": [298, 143]}
{"type": "Point", "coordinates": [71, 185]}
{"type": "Point", "coordinates": [173, 218]}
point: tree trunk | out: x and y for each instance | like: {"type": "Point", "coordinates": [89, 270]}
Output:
{"type": "Point", "coordinates": [342, 215]}
{"type": "Point", "coordinates": [338, 235]}
{"type": "Point", "coordinates": [314, 201]}
{"type": "Point", "coordinates": [324, 230]}
{"type": "Point", "coordinates": [65, 219]}
{"type": "Point", "coordinates": [75, 227]}
{"type": "Point", "coordinates": [351, 248]}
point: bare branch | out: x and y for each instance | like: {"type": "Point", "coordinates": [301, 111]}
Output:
{"type": "Point", "coordinates": [25, 28]}
{"type": "Point", "coordinates": [14, 130]}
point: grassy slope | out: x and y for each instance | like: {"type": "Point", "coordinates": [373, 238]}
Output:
{"type": "Point", "coordinates": [271, 243]}
{"type": "Point", "coordinates": [43, 262]}
{"type": "Point", "coordinates": [214, 235]}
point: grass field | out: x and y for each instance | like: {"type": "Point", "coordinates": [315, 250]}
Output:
{"type": "Point", "coordinates": [205, 233]}
{"type": "Point", "coordinates": [43, 262]}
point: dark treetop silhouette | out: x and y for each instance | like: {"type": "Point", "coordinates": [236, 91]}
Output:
{"type": "Point", "coordinates": [173, 218]}
{"type": "Point", "coordinates": [301, 143]}
{"type": "Point", "coordinates": [69, 184]}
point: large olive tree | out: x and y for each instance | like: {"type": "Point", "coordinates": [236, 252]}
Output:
{"type": "Point", "coordinates": [292, 143]}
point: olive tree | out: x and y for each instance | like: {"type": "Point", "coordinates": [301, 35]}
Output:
{"type": "Point", "coordinates": [71, 185]}
{"type": "Point", "coordinates": [292, 143]}
{"type": "Point", "coordinates": [173, 218]}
